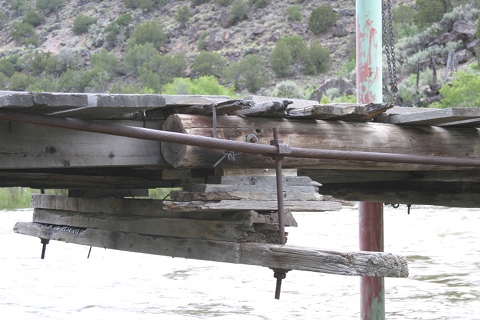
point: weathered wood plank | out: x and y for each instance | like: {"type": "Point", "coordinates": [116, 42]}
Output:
{"type": "Point", "coordinates": [186, 196]}
{"type": "Point", "coordinates": [267, 181]}
{"type": "Point", "coordinates": [189, 100]}
{"type": "Point", "coordinates": [148, 207]}
{"type": "Point", "coordinates": [25, 146]}
{"type": "Point", "coordinates": [437, 117]}
{"type": "Point", "coordinates": [295, 103]}
{"type": "Point", "coordinates": [347, 112]}
{"type": "Point", "coordinates": [182, 228]}
{"type": "Point", "coordinates": [81, 105]}
{"type": "Point", "coordinates": [254, 172]}
{"type": "Point", "coordinates": [226, 205]}
{"type": "Point", "coordinates": [273, 256]}
{"type": "Point", "coordinates": [267, 109]}
{"type": "Point", "coordinates": [428, 141]}
{"type": "Point", "coordinates": [223, 107]}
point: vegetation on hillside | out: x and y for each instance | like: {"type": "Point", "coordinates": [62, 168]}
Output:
{"type": "Point", "coordinates": [169, 46]}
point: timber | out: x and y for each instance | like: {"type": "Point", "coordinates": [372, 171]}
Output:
{"type": "Point", "coordinates": [365, 137]}
{"type": "Point", "coordinates": [271, 256]}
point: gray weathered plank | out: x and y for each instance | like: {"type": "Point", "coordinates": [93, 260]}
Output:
{"type": "Point", "coordinates": [82, 105]}
{"type": "Point", "coordinates": [227, 205]}
{"type": "Point", "coordinates": [149, 208]}
{"type": "Point", "coordinates": [264, 181]}
{"type": "Point", "coordinates": [436, 117]}
{"type": "Point", "coordinates": [379, 264]}
{"type": "Point", "coordinates": [341, 111]}
{"type": "Point", "coordinates": [267, 109]}
{"type": "Point", "coordinates": [183, 228]}
{"type": "Point", "coordinates": [241, 195]}
{"type": "Point", "coordinates": [190, 100]}
{"type": "Point", "coordinates": [296, 103]}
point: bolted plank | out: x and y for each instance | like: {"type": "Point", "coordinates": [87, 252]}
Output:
{"type": "Point", "coordinates": [380, 264]}
{"type": "Point", "coordinates": [186, 196]}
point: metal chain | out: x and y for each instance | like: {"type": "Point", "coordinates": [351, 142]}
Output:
{"type": "Point", "coordinates": [389, 40]}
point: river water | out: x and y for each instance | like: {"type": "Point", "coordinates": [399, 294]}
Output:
{"type": "Point", "coordinates": [442, 246]}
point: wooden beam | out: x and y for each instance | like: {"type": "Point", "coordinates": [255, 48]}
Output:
{"type": "Point", "coordinates": [441, 193]}
{"type": "Point", "coordinates": [427, 141]}
{"type": "Point", "coordinates": [378, 264]}
{"type": "Point", "coordinates": [233, 231]}
{"type": "Point", "coordinates": [26, 146]}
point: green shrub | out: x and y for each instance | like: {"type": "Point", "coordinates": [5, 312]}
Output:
{"type": "Point", "coordinates": [208, 63]}
{"type": "Point", "coordinates": [41, 62]}
{"type": "Point", "coordinates": [403, 21]}
{"type": "Point", "coordinates": [294, 13]}
{"type": "Point", "coordinates": [249, 73]}
{"type": "Point", "coordinates": [316, 60]}
{"type": "Point", "coordinates": [19, 82]}
{"type": "Point", "coordinates": [49, 5]}
{"type": "Point", "coordinates": [462, 92]}
{"type": "Point", "coordinates": [238, 12]}
{"type": "Point", "coordinates": [183, 15]}
{"type": "Point", "coordinates": [224, 3]}
{"type": "Point", "coordinates": [82, 23]}
{"type": "Point", "coordinates": [3, 81]}
{"type": "Point", "coordinates": [149, 32]}
{"type": "Point", "coordinates": [106, 61]}
{"type": "Point", "coordinates": [21, 31]}
{"type": "Point", "coordinates": [19, 6]}
{"type": "Point", "coordinates": [429, 11]}
{"type": "Point", "coordinates": [281, 60]}
{"type": "Point", "coordinates": [34, 18]}
{"type": "Point", "coordinates": [321, 19]}
{"type": "Point", "coordinates": [47, 84]}
{"type": "Point", "coordinates": [112, 31]}
{"type": "Point", "coordinates": [160, 70]}
{"type": "Point", "coordinates": [143, 4]}
{"type": "Point", "coordinates": [124, 20]}
{"type": "Point", "coordinates": [288, 89]}
{"type": "Point", "coordinates": [478, 26]}
{"type": "Point", "coordinates": [3, 18]}
{"type": "Point", "coordinates": [296, 45]}
{"type": "Point", "coordinates": [137, 55]}
{"type": "Point", "coordinates": [6, 67]}
{"type": "Point", "coordinates": [201, 44]}
{"type": "Point", "coordinates": [130, 89]}
{"type": "Point", "coordinates": [259, 3]}
{"type": "Point", "coordinates": [207, 85]}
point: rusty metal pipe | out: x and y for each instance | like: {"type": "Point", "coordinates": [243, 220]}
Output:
{"type": "Point", "coordinates": [237, 146]}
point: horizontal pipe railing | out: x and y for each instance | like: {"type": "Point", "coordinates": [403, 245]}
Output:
{"type": "Point", "coordinates": [237, 146]}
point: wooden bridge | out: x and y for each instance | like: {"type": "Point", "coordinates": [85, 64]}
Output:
{"type": "Point", "coordinates": [225, 205]}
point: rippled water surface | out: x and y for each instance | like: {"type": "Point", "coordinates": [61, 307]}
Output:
{"type": "Point", "coordinates": [442, 246]}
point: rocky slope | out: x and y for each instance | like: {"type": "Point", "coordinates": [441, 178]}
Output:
{"type": "Point", "coordinates": [257, 34]}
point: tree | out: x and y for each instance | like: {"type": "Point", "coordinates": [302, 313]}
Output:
{"type": "Point", "coordinates": [321, 19]}
{"type": "Point", "coordinates": [149, 32]}
{"type": "Point", "coordinates": [429, 11]}
{"type": "Point", "coordinates": [238, 12]}
{"type": "Point", "coordinates": [294, 13]}
{"type": "Point", "coordinates": [281, 60]}
{"type": "Point", "coordinates": [81, 23]}
{"type": "Point", "coordinates": [137, 55]}
{"type": "Point", "coordinates": [249, 73]}
{"type": "Point", "coordinates": [49, 5]}
{"type": "Point", "coordinates": [208, 63]}
{"type": "Point", "coordinates": [316, 60]}
{"type": "Point", "coordinates": [183, 15]}
{"type": "Point", "coordinates": [106, 61]}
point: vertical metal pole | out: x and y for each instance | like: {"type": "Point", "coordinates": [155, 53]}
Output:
{"type": "Point", "coordinates": [369, 89]}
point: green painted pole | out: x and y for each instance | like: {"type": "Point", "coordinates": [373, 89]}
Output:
{"type": "Point", "coordinates": [369, 89]}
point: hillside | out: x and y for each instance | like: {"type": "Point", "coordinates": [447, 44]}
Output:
{"type": "Point", "coordinates": [37, 35]}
